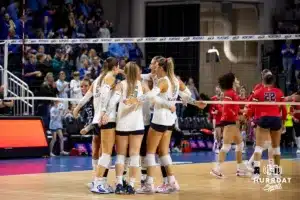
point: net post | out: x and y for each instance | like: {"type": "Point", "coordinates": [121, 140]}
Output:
{"type": "Point", "coordinates": [5, 79]}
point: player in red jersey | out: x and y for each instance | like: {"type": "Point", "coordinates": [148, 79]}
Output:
{"type": "Point", "coordinates": [251, 113]}
{"type": "Point", "coordinates": [231, 133]}
{"type": "Point", "coordinates": [269, 122]}
{"type": "Point", "coordinates": [216, 113]}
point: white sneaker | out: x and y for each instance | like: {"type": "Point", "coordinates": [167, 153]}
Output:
{"type": "Point", "coordinates": [217, 151]}
{"type": "Point", "coordinates": [243, 171]}
{"type": "Point", "coordinates": [249, 166]}
{"type": "Point", "coordinates": [99, 188]}
{"type": "Point", "coordinates": [146, 189]}
{"type": "Point", "coordinates": [52, 155]}
{"type": "Point", "coordinates": [298, 151]}
{"type": "Point", "coordinates": [244, 151]}
{"type": "Point", "coordinates": [64, 153]}
{"type": "Point", "coordinates": [90, 185]}
{"type": "Point", "coordinates": [217, 173]}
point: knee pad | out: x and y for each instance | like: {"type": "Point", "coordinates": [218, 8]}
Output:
{"type": "Point", "coordinates": [267, 145]}
{"type": "Point", "coordinates": [120, 160]}
{"type": "Point", "coordinates": [150, 160]}
{"type": "Point", "coordinates": [104, 160]}
{"type": "Point", "coordinates": [276, 151]}
{"type": "Point", "coordinates": [165, 160]}
{"type": "Point", "coordinates": [258, 149]}
{"type": "Point", "coordinates": [134, 161]}
{"type": "Point", "coordinates": [226, 147]}
{"type": "Point", "coordinates": [239, 147]}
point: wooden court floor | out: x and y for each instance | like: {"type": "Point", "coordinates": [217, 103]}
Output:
{"type": "Point", "coordinates": [195, 181]}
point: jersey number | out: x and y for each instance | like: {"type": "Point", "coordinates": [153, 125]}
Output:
{"type": "Point", "coordinates": [270, 96]}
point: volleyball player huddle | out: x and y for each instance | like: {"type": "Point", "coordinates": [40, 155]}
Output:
{"type": "Point", "coordinates": [126, 125]}
{"type": "Point", "coordinates": [269, 121]}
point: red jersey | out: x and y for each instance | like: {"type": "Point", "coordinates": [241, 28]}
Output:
{"type": "Point", "coordinates": [230, 111]}
{"type": "Point", "coordinates": [269, 94]}
{"type": "Point", "coordinates": [216, 110]}
{"type": "Point", "coordinates": [250, 109]}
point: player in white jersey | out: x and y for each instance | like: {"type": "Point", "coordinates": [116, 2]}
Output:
{"type": "Point", "coordinates": [101, 93]}
{"type": "Point", "coordinates": [149, 80]}
{"type": "Point", "coordinates": [164, 116]}
{"type": "Point", "coordinates": [103, 88]}
{"type": "Point", "coordinates": [130, 127]}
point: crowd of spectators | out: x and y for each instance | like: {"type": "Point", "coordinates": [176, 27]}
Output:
{"type": "Point", "coordinates": [284, 58]}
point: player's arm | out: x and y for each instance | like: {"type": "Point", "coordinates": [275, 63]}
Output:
{"type": "Point", "coordinates": [186, 96]}
{"type": "Point", "coordinates": [115, 99]}
{"type": "Point", "coordinates": [150, 95]}
{"type": "Point", "coordinates": [106, 86]}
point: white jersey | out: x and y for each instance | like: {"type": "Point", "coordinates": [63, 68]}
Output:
{"type": "Point", "coordinates": [164, 116]}
{"type": "Point", "coordinates": [97, 103]}
{"type": "Point", "coordinates": [147, 105]}
{"type": "Point", "coordinates": [130, 118]}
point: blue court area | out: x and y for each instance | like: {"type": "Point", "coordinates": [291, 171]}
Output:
{"type": "Point", "coordinates": [68, 164]}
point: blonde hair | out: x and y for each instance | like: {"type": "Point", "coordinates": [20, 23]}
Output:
{"type": "Point", "coordinates": [131, 72]}
{"type": "Point", "coordinates": [170, 71]}
{"type": "Point", "coordinates": [49, 74]}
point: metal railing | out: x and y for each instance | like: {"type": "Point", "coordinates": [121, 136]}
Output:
{"type": "Point", "coordinates": [18, 88]}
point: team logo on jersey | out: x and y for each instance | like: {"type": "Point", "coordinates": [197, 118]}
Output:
{"type": "Point", "coordinates": [272, 182]}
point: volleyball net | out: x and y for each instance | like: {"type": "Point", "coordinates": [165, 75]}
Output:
{"type": "Point", "coordinates": [202, 58]}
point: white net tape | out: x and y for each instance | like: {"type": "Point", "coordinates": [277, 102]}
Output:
{"type": "Point", "coordinates": [220, 38]}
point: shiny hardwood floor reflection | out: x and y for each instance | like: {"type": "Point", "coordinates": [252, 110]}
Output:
{"type": "Point", "coordinates": [195, 181]}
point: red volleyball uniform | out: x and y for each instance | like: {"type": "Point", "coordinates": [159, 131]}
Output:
{"type": "Point", "coordinates": [216, 110]}
{"type": "Point", "coordinates": [230, 111]}
{"type": "Point", "coordinates": [269, 94]}
{"type": "Point", "coordinates": [250, 109]}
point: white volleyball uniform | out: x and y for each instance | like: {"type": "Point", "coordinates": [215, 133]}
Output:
{"type": "Point", "coordinates": [98, 105]}
{"type": "Point", "coordinates": [130, 118]}
{"type": "Point", "coordinates": [163, 119]}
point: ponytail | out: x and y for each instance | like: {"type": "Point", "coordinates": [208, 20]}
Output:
{"type": "Point", "coordinates": [104, 72]}
{"type": "Point", "coordinates": [170, 71]}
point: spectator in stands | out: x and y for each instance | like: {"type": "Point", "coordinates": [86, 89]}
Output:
{"type": "Point", "coordinates": [95, 69]}
{"type": "Point", "coordinates": [56, 126]}
{"type": "Point", "coordinates": [297, 68]}
{"type": "Point", "coordinates": [81, 27]}
{"type": "Point", "coordinates": [41, 50]}
{"type": "Point", "coordinates": [91, 55]}
{"type": "Point", "coordinates": [191, 85]}
{"type": "Point", "coordinates": [5, 105]}
{"type": "Point", "coordinates": [63, 88]}
{"type": "Point", "coordinates": [75, 90]}
{"type": "Point", "coordinates": [92, 27]}
{"type": "Point", "coordinates": [118, 50]}
{"type": "Point", "coordinates": [104, 33]}
{"type": "Point", "coordinates": [288, 51]}
{"type": "Point", "coordinates": [47, 89]}
{"type": "Point", "coordinates": [13, 10]}
{"type": "Point", "coordinates": [81, 57]}
{"type": "Point", "coordinates": [43, 65]}
{"type": "Point", "coordinates": [135, 53]}
{"type": "Point", "coordinates": [59, 61]}
{"type": "Point", "coordinates": [31, 74]}
{"type": "Point", "coordinates": [85, 68]}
